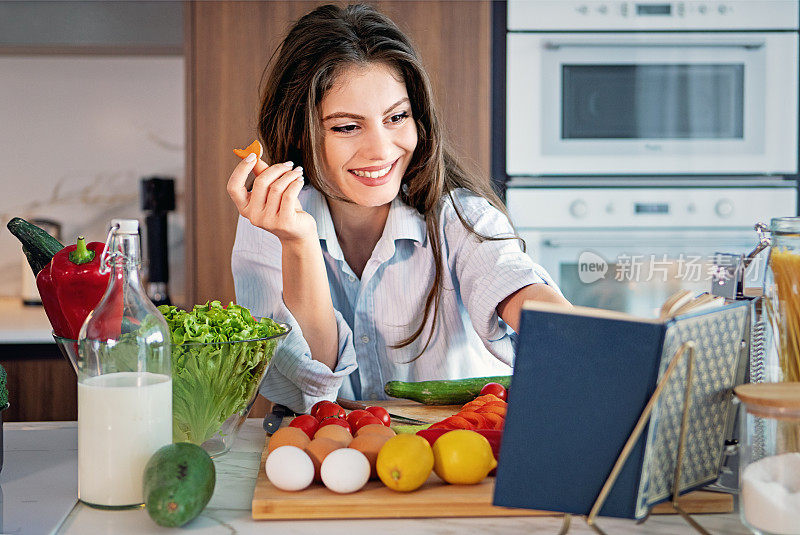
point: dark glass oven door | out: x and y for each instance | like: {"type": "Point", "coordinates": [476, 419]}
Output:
{"type": "Point", "coordinates": [652, 101]}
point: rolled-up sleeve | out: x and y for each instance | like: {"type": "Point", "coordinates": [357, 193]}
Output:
{"type": "Point", "coordinates": [488, 271]}
{"type": "Point", "coordinates": [293, 378]}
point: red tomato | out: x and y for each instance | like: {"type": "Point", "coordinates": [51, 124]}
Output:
{"type": "Point", "coordinates": [307, 423]}
{"type": "Point", "coordinates": [381, 414]}
{"type": "Point", "coordinates": [366, 420]}
{"type": "Point", "coordinates": [331, 409]}
{"type": "Point", "coordinates": [496, 389]}
{"type": "Point", "coordinates": [353, 417]}
{"type": "Point", "coordinates": [335, 420]}
{"type": "Point", "coordinates": [316, 407]}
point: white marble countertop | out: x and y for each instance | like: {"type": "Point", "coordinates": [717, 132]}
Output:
{"type": "Point", "coordinates": [229, 510]}
{"type": "Point", "coordinates": [21, 324]}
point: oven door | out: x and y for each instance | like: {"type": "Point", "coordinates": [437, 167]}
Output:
{"type": "Point", "coordinates": [652, 103]}
{"type": "Point", "coordinates": [635, 271]}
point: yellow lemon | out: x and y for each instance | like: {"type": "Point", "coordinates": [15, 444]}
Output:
{"type": "Point", "coordinates": [404, 462]}
{"type": "Point", "coordinates": [462, 457]}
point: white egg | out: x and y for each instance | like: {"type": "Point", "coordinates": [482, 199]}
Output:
{"type": "Point", "coordinates": [345, 470]}
{"type": "Point", "coordinates": [289, 468]}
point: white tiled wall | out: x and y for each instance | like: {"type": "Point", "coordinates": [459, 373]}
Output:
{"type": "Point", "coordinates": [77, 134]}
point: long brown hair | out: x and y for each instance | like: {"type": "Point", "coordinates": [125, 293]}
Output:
{"type": "Point", "coordinates": [317, 48]}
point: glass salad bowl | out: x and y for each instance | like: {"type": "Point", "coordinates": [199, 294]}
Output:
{"type": "Point", "coordinates": [214, 386]}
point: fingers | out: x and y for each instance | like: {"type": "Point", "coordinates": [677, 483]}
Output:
{"type": "Point", "coordinates": [259, 168]}
{"type": "Point", "coordinates": [235, 187]}
{"type": "Point", "coordinates": [289, 202]}
{"type": "Point", "coordinates": [263, 183]}
{"type": "Point", "coordinates": [277, 190]}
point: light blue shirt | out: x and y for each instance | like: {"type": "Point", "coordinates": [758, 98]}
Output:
{"type": "Point", "coordinates": [385, 305]}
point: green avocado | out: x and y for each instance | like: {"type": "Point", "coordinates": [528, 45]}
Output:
{"type": "Point", "coordinates": [179, 480]}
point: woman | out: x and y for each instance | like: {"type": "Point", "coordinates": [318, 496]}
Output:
{"type": "Point", "coordinates": [393, 263]}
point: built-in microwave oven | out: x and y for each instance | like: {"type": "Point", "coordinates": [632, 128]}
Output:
{"type": "Point", "coordinates": [645, 88]}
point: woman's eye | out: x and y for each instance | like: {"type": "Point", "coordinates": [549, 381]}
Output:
{"type": "Point", "coordinates": [348, 128]}
{"type": "Point", "coordinates": [398, 117]}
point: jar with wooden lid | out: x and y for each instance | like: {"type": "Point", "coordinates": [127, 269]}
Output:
{"type": "Point", "coordinates": [769, 476]}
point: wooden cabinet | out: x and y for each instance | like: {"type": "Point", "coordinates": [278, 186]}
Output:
{"type": "Point", "coordinates": [41, 383]}
{"type": "Point", "coordinates": [228, 44]}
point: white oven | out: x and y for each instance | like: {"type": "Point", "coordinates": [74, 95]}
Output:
{"type": "Point", "coordinates": [629, 246]}
{"type": "Point", "coordinates": [651, 88]}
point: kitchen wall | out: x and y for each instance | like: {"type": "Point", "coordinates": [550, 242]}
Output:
{"type": "Point", "coordinates": [88, 109]}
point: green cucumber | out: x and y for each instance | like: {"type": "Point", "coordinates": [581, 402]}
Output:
{"type": "Point", "coordinates": [179, 480]}
{"type": "Point", "coordinates": [443, 392]}
{"type": "Point", "coordinates": [409, 429]}
{"type": "Point", "coordinates": [39, 246]}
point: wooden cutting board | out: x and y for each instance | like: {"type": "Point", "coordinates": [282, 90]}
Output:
{"type": "Point", "coordinates": [434, 499]}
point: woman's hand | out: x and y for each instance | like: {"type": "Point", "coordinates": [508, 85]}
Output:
{"type": "Point", "coordinates": [272, 204]}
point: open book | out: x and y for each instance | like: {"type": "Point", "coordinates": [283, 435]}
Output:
{"type": "Point", "coordinates": [684, 301]}
{"type": "Point", "coordinates": [582, 378]}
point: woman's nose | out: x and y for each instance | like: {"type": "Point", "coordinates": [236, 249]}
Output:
{"type": "Point", "coordinates": [377, 144]}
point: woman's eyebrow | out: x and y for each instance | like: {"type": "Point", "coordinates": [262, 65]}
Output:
{"type": "Point", "coordinates": [396, 104]}
{"type": "Point", "coordinates": [347, 115]}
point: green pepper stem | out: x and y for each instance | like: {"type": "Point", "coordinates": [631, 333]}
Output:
{"type": "Point", "coordinates": [81, 255]}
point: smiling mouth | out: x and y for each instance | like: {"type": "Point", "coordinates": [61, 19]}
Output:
{"type": "Point", "coordinates": [379, 173]}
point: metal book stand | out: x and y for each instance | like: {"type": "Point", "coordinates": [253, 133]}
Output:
{"type": "Point", "coordinates": [591, 519]}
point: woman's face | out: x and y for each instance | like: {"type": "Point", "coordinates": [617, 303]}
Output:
{"type": "Point", "coordinates": [369, 134]}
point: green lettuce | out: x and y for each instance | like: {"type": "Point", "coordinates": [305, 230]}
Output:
{"type": "Point", "coordinates": [213, 379]}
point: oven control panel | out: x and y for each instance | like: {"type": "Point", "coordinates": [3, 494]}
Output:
{"type": "Point", "coordinates": [688, 208]}
{"type": "Point", "coordinates": [641, 15]}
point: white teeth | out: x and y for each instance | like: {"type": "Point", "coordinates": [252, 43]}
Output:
{"type": "Point", "coordinates": [372, 174]}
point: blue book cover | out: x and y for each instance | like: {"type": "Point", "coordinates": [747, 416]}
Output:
{"type": "Point", "coordinates": [581, 380]}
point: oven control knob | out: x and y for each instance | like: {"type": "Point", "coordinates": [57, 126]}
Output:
{"type": "Point", "coordinates": [583, 10]}
{"type": "Point", "coordinates": [578, 209]}
{"type": "Point", "coordinates": [724, 208]}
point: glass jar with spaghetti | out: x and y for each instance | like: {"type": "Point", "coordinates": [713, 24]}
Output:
{"type": "Point", "coordinates": [782, 302]}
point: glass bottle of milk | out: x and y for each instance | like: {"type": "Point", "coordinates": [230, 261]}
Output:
{"type": "Point", "coordinates": [124, 380]}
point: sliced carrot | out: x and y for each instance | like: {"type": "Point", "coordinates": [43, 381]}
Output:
{"type": "Point", "coordinates": [480, 401]}
{"type": "Point", "coordinates": [475, 420]}
{"type": "Point", "coordinates": [489, 397]}
{"type": "Point", "coordinates": [438, 425]}
{"type": "Point", "coordinates": [471, 407]}
{"type": "Point", "coordinates": [254, 147]}
{"type": "Point", "coordinates": [496, 404]}
{"type": "Point", "coordinates": [456, 422]}
{"type": "Point", "coordinates": [495, 420]}
{"type": "Point", "coordinates": [501, 411]}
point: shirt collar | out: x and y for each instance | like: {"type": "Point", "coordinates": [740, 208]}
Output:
{"type": "Point", "coordinates": [403, 223]}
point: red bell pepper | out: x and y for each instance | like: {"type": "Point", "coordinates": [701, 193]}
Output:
{"type": "Point", "coordinates": [44, 282]}
{"type": "Point", "coordinates": [71, 286]}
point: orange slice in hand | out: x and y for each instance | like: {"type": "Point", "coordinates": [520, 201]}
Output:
{"type": "Point", "coordinates": [254, 147]}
